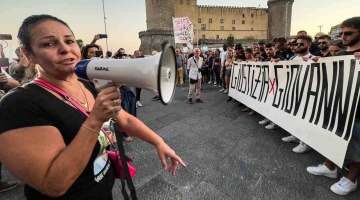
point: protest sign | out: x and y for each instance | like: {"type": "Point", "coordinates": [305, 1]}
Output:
{"type": "Point", "coordinates": [183, 31]}
{"type": "Point", "coordinates": [315, 102]}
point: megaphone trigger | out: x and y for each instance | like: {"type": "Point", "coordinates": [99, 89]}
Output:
{"type": "Point", "coordinates": [101, 84]}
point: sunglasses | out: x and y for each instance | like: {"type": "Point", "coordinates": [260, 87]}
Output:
{"type": "Point", "coordinates": [299, 44]}
{"type": "Point", "coordinates": [347, 33]}
{"type": "Point", "coordinates": [322, 43]}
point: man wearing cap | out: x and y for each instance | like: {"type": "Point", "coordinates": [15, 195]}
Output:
{"type": "Point", "coordinates": [240, 55]}
{"type": "Point", "coordinates": [262, 56]}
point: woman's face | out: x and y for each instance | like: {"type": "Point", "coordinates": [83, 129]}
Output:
{"type": "Point", "coordinates": [54, 48]}
{"type": "Point", "coordinates": [91, 52]}
{"type": "Point", "coordinates": [248, 55]}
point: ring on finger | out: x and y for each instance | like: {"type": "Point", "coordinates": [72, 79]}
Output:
{"type": "Point", "coordinates": [116, 102]}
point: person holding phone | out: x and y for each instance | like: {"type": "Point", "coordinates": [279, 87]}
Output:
{"type": "Point", "coordinates": [89, 51]}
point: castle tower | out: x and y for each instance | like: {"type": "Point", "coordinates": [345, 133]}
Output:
{"type": "Point", "coordinates": [280, 12]}
{"type": "Point", "coordinates": [159, 15]}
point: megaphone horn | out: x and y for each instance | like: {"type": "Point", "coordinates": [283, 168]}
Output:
{"type": "Point", "coordinates": [156, 73]}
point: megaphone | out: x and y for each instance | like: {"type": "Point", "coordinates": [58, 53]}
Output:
{"type": "Point", "coordinates": [156, 73]}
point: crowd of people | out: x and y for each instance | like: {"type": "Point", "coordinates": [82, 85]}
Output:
{"type": "Point", "coordinates": [214, 67]}
{"type": "Point", "coordinates": [38, 58]}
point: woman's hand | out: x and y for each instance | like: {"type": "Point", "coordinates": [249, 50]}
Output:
{"type": "Point", "coordinates": [107, 105]}
{"type": "Point", "coordinates": [164, 152]}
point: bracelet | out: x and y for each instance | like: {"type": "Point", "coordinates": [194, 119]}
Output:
{"type": "Point", "coordinates": [90, 128]}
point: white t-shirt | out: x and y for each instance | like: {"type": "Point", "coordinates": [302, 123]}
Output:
{"type": "Point", "coordinates": [309, 55]}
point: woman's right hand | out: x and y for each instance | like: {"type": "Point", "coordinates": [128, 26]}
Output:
{"type": "Point", "coordinates": [107, 105]}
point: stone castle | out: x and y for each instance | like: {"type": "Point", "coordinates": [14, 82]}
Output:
{"type": "Point", "coordinates": [213, 24]}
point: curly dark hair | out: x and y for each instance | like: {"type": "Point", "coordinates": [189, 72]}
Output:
{"type": "Point", "coordinates": [84, 51]}
{"type": "Point", "coordinates": [24, 34]}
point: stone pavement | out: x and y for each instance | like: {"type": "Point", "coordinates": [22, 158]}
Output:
{"type": "Point", "coordinates": [228, 156]}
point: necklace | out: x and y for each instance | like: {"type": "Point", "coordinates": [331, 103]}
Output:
{"type": "Point", "coordinates": [86, 101]}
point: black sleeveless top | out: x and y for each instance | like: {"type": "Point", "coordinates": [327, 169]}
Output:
{"type": "Point", "coordinates": [34, 106]}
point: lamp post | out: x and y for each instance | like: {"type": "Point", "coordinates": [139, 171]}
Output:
{"type": "Point", "coordinates": [320, 27]}
{"type": "Point", "coordinates": [105, 25]}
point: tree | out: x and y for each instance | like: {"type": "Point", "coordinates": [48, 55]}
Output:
{"type": "Point", "coordinates": [230, 40]}
{"type": "Point", "coordinates": [80, 43]}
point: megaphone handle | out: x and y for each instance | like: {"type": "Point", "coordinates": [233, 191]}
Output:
{"type": "Point", "coordinates": [101, 84]}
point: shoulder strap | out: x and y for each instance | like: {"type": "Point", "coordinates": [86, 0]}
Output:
{"type": "Point", "coordinates": [53, 88]}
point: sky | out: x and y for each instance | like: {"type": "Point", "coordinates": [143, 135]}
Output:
{"type": "Point", "coordinates": [126, 18]}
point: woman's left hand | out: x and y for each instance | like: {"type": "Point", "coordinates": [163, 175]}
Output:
{"type": "Point", "coordinates": [164, 152]}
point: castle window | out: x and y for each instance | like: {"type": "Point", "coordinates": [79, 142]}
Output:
{"type": "Point", "coordinates": [210, 20]}
{"type": "Point", "coordinates": [217, 37]}
{"type": "Point", "coordinates": [203, 37]}
{"type": "Point", "coordinates": [203, 26]}
{"type": "Point", "coordinates": [222, 28]}
{"type": "Point", "coordinates": [199, 20]}
{"type": "Point", "coordinates": [233, 28]}
{"type": "Point", "coordinates": [221, 20]}
{"type": "Point", "coordinates": [233, 21]}
{"type": "Point", "coordinates": [252, 29]}
{"type": "Point", "coordinates": [188, 1]}
{"type": "Point", "coordinates": [243, 15]}
{"type": "Point", "coordinates": [243, 21]}
{"type": "Point", "coordinates": [252, 15]}
{"type": "Point", "coordinates": [181, 1]}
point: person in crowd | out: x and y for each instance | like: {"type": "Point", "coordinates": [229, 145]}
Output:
{"type": "Point", "coordinates": [73, 163]}
{"type": "Point", "coordinates": [324, 44]}
{"type": "Point", "coordinates": [350, 35]}
{"type": "Point", "coordinates": [18, 67]}
{"type": "Point", "coordinates": [210, 73]}
{"type": "Point", "coordinates": [216, 67]}
{"type": "Point", "coordinates": [270, 51]}
{"type": "Point", "coordinates": [262, 56]}
{"type": "Point", "coordinates": [89, 50]}
{"type": "Point", "coordinates": [222, 59]}
{"type": "Point", "coordinates": [138, 90]}
{"type": "Point", "coordinates": [284, 51]}
{"type": "Point", "coordinates": [180, 61]}
{"type": "Point", "coordinates": [336, 47]}
{"type": "Point", "coordinates": [228, 66]}
{"type": "Point", "coordinates": [314, 47]}
{"type": "Point", "coordinates": [194, 65]}
{"type": "Point", "coordinates": [108, 54]}
{"type": "Point", "coordinates": [249, 54]}
{"type": "Point", "coordinates": [302, 45]}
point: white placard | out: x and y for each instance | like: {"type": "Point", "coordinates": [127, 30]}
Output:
{"type": "Point", "coordinates": [183, 31]}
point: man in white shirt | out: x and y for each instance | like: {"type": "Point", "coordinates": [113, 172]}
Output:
{"type": "Point", "coordinates": [303, 44]}
{"type": "Point", "coordinates": [193, 65]}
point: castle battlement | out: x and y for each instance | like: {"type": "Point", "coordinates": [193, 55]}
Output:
{"type": "Point", "coordinates": [231, 7]}
{"type": "Point", "coordinates": [279, 1]}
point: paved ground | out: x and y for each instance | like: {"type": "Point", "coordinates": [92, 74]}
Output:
{"type": "Point", "coordinates": [228, 154]}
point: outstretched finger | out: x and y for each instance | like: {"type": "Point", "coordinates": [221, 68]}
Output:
{"type": "Point", "coordinates": [163, 162]}
{"type": "Point", "coordinates": [177, 158]}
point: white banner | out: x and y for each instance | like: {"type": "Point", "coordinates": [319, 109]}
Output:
{"type": "Point", "coordinates": [316, 102]}
{"type": "Point", "coordinates": [183, 31]}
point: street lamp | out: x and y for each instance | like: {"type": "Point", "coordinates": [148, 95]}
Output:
{"type": "Point", "coordinates": [105, 25]}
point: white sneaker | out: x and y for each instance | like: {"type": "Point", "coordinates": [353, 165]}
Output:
{"type": "Point", "coordinates": [322, 170]}
{"type": "Point", "coordinates": [264, 121]}
{"type": "Point", "coordinates": [272, 126]}
{"type": "Point", "coordinates": [290, 138]}
{"type": "Point", "coordinates": [209, 82]}
{"type": "Point", "coordinates": [138, 104]}
{"type": "Point", "coordinates": [222, 90]}
{"type": "Point", "coordinates": [301, 148]}
{"type": "Point", "coordinates": [343, 187]}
